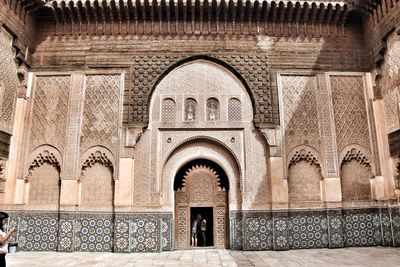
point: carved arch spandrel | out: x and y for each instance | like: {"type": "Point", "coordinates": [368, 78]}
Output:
{"type": "Point", "coordinates": [41, 155]}
{"type": "Point", "coordinates": [98, 154]}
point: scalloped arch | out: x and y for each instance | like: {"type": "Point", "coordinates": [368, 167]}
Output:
{"type": "Point", "coordinates": [99, 154]}
{"type": "Point", "coordinates": [303, 152]}
{"type": "Point", "coordinates": [358, 153]}
{"type": "Point", "coordinates": [44, 154]}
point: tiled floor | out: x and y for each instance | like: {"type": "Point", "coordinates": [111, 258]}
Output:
{"type": "Point", "coordinates": [369, 256]}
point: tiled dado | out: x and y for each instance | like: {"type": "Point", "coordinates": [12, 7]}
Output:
{"type": "Point", "coordinates": [301, 229]}
{"type": "Point", "coordinates": [249, 230]}
{"type": "Point", "coordinates": [90, 231]}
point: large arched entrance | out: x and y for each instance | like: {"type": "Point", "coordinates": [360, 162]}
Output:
{"type": "Point", "coordinates": [201, 191]}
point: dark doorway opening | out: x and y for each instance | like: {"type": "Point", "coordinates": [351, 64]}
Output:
{"type": "Point", "coordinates": [207, 214]}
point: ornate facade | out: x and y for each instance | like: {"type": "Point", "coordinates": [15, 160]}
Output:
{"type": "Point", "coordinates": [121, 121]}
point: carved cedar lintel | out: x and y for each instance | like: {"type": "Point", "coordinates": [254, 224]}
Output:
{"type": "Point", "coordinates": [22, 72]}
{"type": "Point", "coordinates": [274, 140]}
{"type": "Point", "coordinates": [133, 135]}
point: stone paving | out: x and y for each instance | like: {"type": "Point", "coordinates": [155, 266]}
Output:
{"type": "Point", "coordinates": [367, 256]}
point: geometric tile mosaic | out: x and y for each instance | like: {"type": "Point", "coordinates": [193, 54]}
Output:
{"type": "Point", "coordinates": [308, 231]}
{"type": "Point", "coordinates": [362, 228]}
{"type": "Point", "coordinates": [257, 229]}
{"type": "Point", "coordinates": [248, 230]}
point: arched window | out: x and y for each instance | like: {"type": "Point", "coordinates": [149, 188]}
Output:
{"type": "Point", "coordinates": [190, 109]}
{"type": "Point", "coordinates": [212, 109]}
{"type": "Point", "coordinates": [234, 110]}
{"type": "Point", "coordinates": [168, 110]}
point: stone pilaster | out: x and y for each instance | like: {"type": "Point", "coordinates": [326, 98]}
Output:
{"type": "Point", "coordinates": [71, 166]}
{"type": "Point", "coordinates": [330, 169]}
{"type": "Point", "coordinates": [279, 185]}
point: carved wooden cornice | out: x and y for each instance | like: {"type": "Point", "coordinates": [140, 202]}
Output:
{"type": "Point", "coordinates": [188, 16]}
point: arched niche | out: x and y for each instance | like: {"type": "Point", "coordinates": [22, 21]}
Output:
{"type": "Point", "coordinates": [356, 172]}
{"type": "Point", "coordinates": [304, 176]}
{"type": "Point", "coordinates": [97, 179]}
{"type": "Point", "coordinates": [43, 178]}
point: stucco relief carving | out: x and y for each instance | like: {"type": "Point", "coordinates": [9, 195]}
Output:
{"type": "Point", "coordinates": [304, 175]}
{"type": "Point", "coordinates": [147, 69]}
{"type": "Point", "coordinates": [101, 112]}
{"type": "Point", "coordinates": [303, 152]}
{"type": "Point", "coordinates": [355, 175]}
{"type": "Point", "coordinates": [349, 108]}
{"type": "Point", "coordinates": [390, 82]}
{"type": "Point", "coordinates": [50, 106]}
{"type": "Point", "coordinates": [300, 111]}
{"type": "Point", "coordinates": [44, 175]}
{"type": "Point", "coordinates": [99, 155]}
{"type": "Point", "coordinates": [41, 155]}
{"type": "Point", "coordinates": [9, 82]}
{"type": "Point", "coordinates": [133, 135]}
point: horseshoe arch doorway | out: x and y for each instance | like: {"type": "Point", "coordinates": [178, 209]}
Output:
{"type": "Point", "coordinates": [201, 189]}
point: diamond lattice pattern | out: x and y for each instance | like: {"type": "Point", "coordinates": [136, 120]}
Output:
{"type": "Point", "coordinates": [300, 111]}
{"type": "Point", "coordinates": [50, 107]}
{"type": "Point", "coordinates": [101, 112]}
{"type": "Point", "coordinates": [350, 112]}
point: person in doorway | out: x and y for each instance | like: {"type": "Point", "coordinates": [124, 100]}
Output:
{"type": "Point", "coordinates": [4, 238]}
{"type": "Point", "coordinates": [194, 231]}
{"type": "Point", "coordinates": [203, 229]}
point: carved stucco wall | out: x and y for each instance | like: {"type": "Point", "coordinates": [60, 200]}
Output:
{"type": "Point", "coordinates": [44, 187]}
{"type": "Point", "coordinates": [390, 82]}
{"type": "Point", "coordinates": [147, 69]}
{"type": "Point", "coordinates": [202, 80]}
{"type": "Point", "coordinates": [97, 188]}
{"type": "Point", "coordinates": [8, 82]}
{"type": "Point", "coordinates": [101, 112]}
{"type": "Point", "coordinates": [300, 111]}
{"type": "Point", "coordinates": [352, 131]}
{"type": "Point", "coordinates": [304, 182]}
{"type": "Point", "coordinates": [349, 106]}
{"type": "Point", "coordinates": [301, 135]}
{"type": "Point", "coordinates": [50, 106]}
